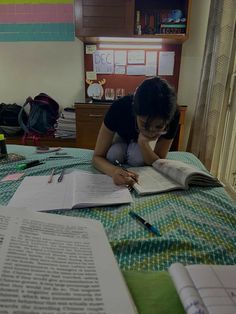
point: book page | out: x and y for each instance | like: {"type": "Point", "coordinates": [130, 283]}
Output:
{"type": "Point", "coordinates": [98, 189]}
{"type": "Point", "coordinates": [150, 181]}
{"type": "Point", "coordinates": [55, 264]}
{"type": "Point", "coordinates": [188, 294]}
{"type": "Point", "coordinates": [181, 172]}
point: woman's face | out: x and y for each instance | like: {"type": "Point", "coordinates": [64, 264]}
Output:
{"type": "Point", "coordinates": [151, 128]}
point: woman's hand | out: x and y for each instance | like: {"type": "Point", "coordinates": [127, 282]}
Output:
{"type": "Point", "coordinates": [146, 138]}
{"type": "Point", "coordinates": [122, 177]}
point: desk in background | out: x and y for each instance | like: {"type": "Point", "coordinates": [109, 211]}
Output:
{"type": "Point", "coordinates": [89, 118]}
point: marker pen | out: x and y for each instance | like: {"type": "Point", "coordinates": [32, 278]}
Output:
{"type": "Point", "coordinates": [28, 164]}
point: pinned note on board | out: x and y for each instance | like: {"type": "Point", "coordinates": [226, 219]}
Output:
{"type": "Point", "coordinates": [166, 63]}
{"type": "Point", "coordinates": [90, 49]}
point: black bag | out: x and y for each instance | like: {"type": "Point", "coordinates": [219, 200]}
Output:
{"type": "Point", "coordinates": [9, 124]}
{"type": "Point", "coordinates": [43, 115]}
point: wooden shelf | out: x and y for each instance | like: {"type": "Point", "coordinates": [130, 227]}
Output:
{"type": "Point", "coordinates": [117, 18]}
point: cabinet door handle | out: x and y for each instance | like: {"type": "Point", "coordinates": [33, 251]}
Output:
{"type": "Point", "coordinates": [95, 115]}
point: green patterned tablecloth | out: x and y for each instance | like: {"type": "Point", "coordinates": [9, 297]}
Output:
{"type": "Point", "coordinates": [197, 225]}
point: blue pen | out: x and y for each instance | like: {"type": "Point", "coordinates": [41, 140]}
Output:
{"type": "Point", "coordinates": [145, 223]}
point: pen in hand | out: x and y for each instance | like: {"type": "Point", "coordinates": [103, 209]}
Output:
{"type": "Point", "coordinates": [145, 223]}
{"type": "Point", "coordinates": [61, 176]}
{"type": "Point", "coordinates": [123, 168]}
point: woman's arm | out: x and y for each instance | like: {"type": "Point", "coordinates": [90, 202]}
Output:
{"type": "Point", "coordinates": [104, 142]}
{"type": "Point", "coordinates": [161, 149]}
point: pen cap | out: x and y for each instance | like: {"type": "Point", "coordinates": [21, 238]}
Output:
{"type": "Point", "coordinates": [21, 166]}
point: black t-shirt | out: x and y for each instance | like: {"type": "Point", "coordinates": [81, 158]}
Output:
{"type": "Point", "coordinates": [120, 118]}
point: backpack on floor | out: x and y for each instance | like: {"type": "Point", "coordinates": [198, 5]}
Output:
{"type": "Point", "coordinates": [42, 117]}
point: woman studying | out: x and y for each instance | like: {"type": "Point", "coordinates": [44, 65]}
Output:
{"type": "Point", "coordinates": [131, 124]}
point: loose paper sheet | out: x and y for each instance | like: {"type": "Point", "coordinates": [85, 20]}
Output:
{"type": "Point", "coordinates": [91, 75]}
{"type": "Point", "coordinates": [90, 49]}
{"type": "Point", "coordinates": [136, 70]}
{"type": "Point", "coordinates": [119, 69]}
{"type": "Point", "coordinates": [120, 57]}
{"type": "Point", "coordinates": [166, 63]}
{"type": "Point", "coordinates": [103, 61]}
{"type": "Point", "coordinates": [136, 57]}
{"type": "Point", "coordinates": [151, 63]}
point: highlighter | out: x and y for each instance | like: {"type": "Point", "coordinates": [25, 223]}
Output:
{"type": "Point", "coordinates": [28, 164]}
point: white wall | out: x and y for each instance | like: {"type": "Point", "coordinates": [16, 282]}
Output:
{"type": "Point", "coordinates": [55, 68]}
{"type": "Point", "coordinates": [191, 60]}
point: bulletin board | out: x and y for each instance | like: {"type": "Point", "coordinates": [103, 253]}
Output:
{"type": "Point", "coordinates": [138, 66]}
{"type": "Point", "coordinates": [37, 20]}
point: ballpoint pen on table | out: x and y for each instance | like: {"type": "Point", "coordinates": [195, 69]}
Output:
{"type": "Point", "coordinates": [51, 176]}
{"type": "Point", "coordinates": [144, 223]}
{"type": "Point", "coordinates": [125, 169]}
{"type": "Point", "coordinates": [61, 176]}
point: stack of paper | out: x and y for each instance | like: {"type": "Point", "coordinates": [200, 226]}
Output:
{"type": "Point", "coordinates": [66, 125]}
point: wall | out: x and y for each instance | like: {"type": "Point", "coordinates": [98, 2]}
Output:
{"type": "Point", "coordinates": [28, 68]}
{"type": "Point", "coordinates": [191, 60]}
{"type": "Point", "coordinates": [57, 68]}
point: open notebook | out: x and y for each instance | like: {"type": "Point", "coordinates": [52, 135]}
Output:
{"type": "Point", "coordinates": [206, 289]}
{"type": "Point", "coordinates": [78, 189]}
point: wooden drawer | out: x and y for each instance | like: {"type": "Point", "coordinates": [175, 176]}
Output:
{"type": "Point", "coordinates": [88, 122]}
{"type": "Point", "coordinates": [91, 114]}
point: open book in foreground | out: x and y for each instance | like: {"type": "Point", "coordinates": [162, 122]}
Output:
{"type": "Point", "coordinates": [78, 189]}
{"type": "Point", "coordinates": [167, 175]}
{"type": "Point", "coordinates": [205, 289]}
{"type": "Point", "coordinates": [58, 264]}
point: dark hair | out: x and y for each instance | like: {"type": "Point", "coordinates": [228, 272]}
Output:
{"type": "Point", "coordinates": [155, 98]}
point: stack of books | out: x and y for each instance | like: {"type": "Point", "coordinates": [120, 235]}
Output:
{"type": "Point", "coordinates": [159, 22]}
{"type": "Point", "coordinates": [66, 125]}
{"type": "Point", "coordinates": [173, 28]}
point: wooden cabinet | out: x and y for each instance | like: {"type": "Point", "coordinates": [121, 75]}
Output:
{"type": "Point", "coordinates": [131, 18]}
{"type": "Point", "coordinates": [104, 17]}
{"type": "Point", "coordinates": [88, 122]}
{"type": "Point", "coordinates": [89, 118]}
